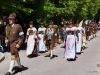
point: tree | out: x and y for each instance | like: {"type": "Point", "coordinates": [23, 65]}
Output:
{"type": "Point", "coordinates": [44, 10]}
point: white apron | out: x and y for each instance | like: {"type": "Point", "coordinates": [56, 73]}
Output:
{"type": "Point", "coordinates": [70, 45]}
{"type": "Point", "coordinates": [30, 43]}
{"type": "Point", "coordinates": [41, 44]}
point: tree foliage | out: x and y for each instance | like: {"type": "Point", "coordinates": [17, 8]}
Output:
{"type": "Point", "coordinates": [44, 10]}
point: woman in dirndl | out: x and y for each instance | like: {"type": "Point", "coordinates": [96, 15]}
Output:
{"type": "Point", "coordinates": [70, 53]}
{"type": "Point", "coordinates": [79, 31]}
{"type": "Point", "coordinates": [41, 39]}
{"type": "Point", "coordinates": [31, 40]}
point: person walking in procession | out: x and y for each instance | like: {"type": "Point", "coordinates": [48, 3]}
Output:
{"type": "Point", "coordinates": [79, 31]}
{"type": "Point", "coordinates": [31, 40]}
{"type": "Point", "coordinates": [70, 53]}
{"type": "Point", "coordinates": [41, 36]}
{"type": "Point", "coordinates": [15, 37]}
{"type": "Point", "coordinates": [50, 33]}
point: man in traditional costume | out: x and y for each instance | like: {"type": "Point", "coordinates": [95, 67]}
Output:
{"type": "Point", "coordinates": [50, 40]}
{"type": "Point", "coordinates": [15, 36]}
{"type": "Point", "coordinates": [64, 35]}
{"type": "Point", "coordinates": [84, 42]}
{"type": "Point", "coordinates": [60, 34]}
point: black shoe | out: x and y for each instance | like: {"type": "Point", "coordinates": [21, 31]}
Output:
{"type": "Point", "coordinates": [55, 55]}
{"type": "Point", "coordinates": [73, 59]}
{"type": "Point", "coordinates": [84, 48]}
{"type": "Point", "coordinates": [8, 73]}
{"type": "Point", "coordinates": [70, 59]}
{"type": "Point", "coordinates": [78, 53]}
{"type": "Point", "coordinates": [51, 57]}
{"type": "Point", "coordinates": [41, 51]}
{"type": "Point", "coordinates": [18, 69]}
{"type": "Point", "coordinates": [21, 68]}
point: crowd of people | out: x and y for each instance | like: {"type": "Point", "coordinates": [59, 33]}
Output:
{"type": "Point", "coordinates": [74, 38]}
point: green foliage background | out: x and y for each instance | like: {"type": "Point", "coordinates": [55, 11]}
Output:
{"type": "Point", "coordinates": [44, 10]}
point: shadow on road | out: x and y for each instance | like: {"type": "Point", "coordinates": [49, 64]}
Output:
{"type": "Point", "coordinates": [16, 69]}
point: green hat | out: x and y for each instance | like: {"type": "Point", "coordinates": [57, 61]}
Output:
{"type": "Point", "coordinates": [12, 16]}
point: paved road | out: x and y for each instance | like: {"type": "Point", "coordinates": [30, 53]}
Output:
{"type": "Point", "coordinates": [86, 63]}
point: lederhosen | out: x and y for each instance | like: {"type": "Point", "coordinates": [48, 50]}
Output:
{"type": "Point", "coordinates": [14, 38]}
{"type": "Point", "coordinates": [49, 36]}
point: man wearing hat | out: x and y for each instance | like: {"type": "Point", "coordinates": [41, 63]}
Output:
{"type": "Point", "coordinates": [50, 33]}
{"type": "Point", "coordinates": [14, 36]}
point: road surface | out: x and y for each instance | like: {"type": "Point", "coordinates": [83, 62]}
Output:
{"type": "Point", "coordinates": [85, 64]}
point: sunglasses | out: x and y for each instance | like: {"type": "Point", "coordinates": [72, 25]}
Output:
{"type": "Point", "coordinates": [11, 19]}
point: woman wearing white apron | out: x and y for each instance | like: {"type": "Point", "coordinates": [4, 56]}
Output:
{"type": "Point", "coordinates": [70, 53]}
{"type": "Point", "coordinates": [79, 31]}
{"type": "Point", "coordinates": [41, 35]}
{"type": "Point", "coordinates": [31, 36]}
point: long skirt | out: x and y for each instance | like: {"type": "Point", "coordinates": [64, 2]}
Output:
{"type": "Point", "coordinates": [30, 45]}
{"type": "Point", "coordinates": [79, 44]}
{"type": "Point", "coordinates": [70, 47]}
{"type": "Point", "coordinates": [41, 44]}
